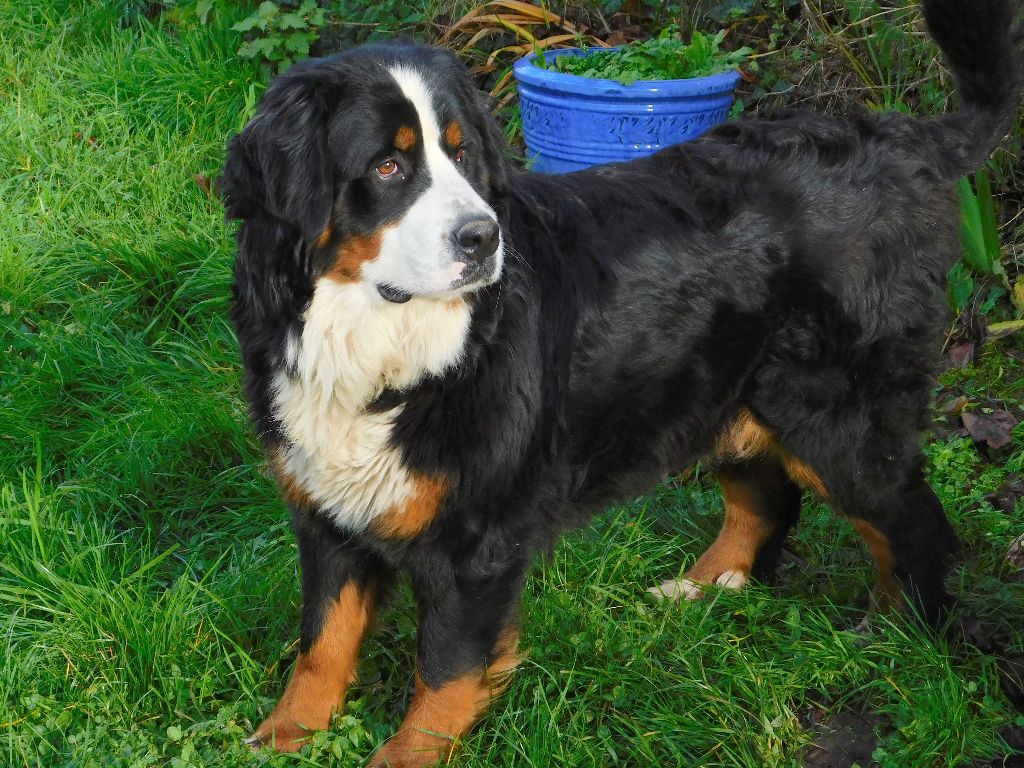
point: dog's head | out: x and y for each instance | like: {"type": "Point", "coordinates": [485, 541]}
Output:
{"type": "Point", "coordinates": [386, 165]}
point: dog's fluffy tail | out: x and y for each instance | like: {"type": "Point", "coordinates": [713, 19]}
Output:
{"type": "Point", "coordinates": [982, 43]}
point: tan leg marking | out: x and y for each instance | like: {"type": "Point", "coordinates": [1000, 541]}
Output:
{"type": "Point", "coordinates": [747, 438]}
{"type": "Point", "coordinates": [802, 474]}
{"type": "Point", "coordinates": [888, 592]}
{"type": "Point", "coordinates": [437, 719]}
{"type": "Point", "coordinates": [729, 559]}
{"type": "Point", "coordinates": [412, 517]}
{"type": "Point", "coordinates": [321, 675]}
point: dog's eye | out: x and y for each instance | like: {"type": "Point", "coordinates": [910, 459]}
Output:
{"type": "Point", "coordinates": [387, 169]}
{"type": "Point", "coordinates": [460, 154]}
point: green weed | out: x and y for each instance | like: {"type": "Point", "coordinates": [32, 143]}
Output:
{"type": "Point", "coordinates": [663, 57]}
{"type": "Point", "coordinates": [283, 35]}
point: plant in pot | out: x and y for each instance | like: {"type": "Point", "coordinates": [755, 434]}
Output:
{"type": "Point", "coordinates": [582, 107]}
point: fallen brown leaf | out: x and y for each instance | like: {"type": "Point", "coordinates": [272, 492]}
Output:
{"type": "Point", "coordinates": [960, 355]}
{"type": "Point", "coordinates": [993, 429]}
{"type": "Point", "coordinates": [1005, 496]}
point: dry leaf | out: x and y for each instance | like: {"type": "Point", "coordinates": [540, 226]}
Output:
{"type": "Point", "coordinates": [1017, 297]}
{"type": "Point", "coordinates": [960, 355]}
{"type": "Point", "coordinates": [955, 407]}
{"type": "Point", "coordinates": [1002, 330]}
{"type": "Point", "coordinates": [993, 429]}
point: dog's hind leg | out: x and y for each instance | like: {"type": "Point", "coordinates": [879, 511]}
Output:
{"type": "Point", "coordinates": [761, 505]}
{"type": "Point", "coordinates": [912, 543]}
{"type": "Point", "coordinates": [870, 468]}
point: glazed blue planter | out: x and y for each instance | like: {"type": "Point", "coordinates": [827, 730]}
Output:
{"type": "Point", "coordinates": [572, 122]}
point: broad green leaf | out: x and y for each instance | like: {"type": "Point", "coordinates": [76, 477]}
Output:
{"type": "Point", "coordinates": [298, 42]}
{"type": "Point", "coordinates": [293, 20]}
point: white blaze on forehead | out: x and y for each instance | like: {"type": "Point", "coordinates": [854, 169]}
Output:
{"type": "Point", "coordinates": [444, 176]}
{"type": "Point", "coordinates": [419, 93]}
{"type": "Point", "coordinates": [418, 254]}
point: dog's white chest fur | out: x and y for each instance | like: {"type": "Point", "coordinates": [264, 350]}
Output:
{"type": "Point", "coordinates": [353, 346]}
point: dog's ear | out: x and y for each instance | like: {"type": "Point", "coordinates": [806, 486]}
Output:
{"type": "Point", "coordinates": [279, 163]}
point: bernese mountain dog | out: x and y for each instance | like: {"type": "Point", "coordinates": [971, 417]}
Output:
{"type": "Point", "coordinates": [450, 361]}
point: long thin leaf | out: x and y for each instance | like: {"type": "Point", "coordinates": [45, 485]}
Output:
{"type": "Point", "coordinates": [989, 222]}
{"type": "Point", "coordinates": [970, 227]}
{"type": "Point", "coordinates": [541, 14]}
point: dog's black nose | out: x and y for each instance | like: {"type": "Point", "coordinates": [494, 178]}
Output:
{"type": "Point", "coordinates": [477, 238]}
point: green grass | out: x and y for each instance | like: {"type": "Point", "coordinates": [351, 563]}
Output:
{"type": "Point", "coordinates": [148, 579]}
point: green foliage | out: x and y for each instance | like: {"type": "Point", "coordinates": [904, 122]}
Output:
{"type": "Point", "coordinates": [724, 10]}
{"type": "Point", "coordinates": [280, 35]}
{"type": "Point", "coordinates": [979, 234]}
{"type": "Point", "coordinates": [959, 287]}
{"type": "Point", "coordinates": [664, 57]}
{"type": "Point", "coordinates": [980, 226]}
{"type": "Point", "coordinates": [366, 22]}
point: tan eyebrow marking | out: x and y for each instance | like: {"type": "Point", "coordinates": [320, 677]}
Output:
{"type": "Point", "coordinates": [405, 139]}
{"type": "Point", "coordinates": [453, 134]}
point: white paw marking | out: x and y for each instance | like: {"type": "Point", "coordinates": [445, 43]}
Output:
{"type": "Point", "coordinates": [677, 589]}
{"type": "Point", "coordinates": [688, 589]}
{"type": "Point", "coordinates": [732, 580]}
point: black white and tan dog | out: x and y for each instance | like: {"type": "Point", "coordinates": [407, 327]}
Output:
{"type": "Point", "coordinates": [450, 362]}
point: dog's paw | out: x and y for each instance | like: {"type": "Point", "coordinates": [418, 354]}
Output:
{"type": "Point", "coordinates": [677, 589]}
{"type": "Point", "coordinates": [732, 580]}
{"type": "Point", "coordinates": [279, 736]}
{"type": "Point", "coordinates": [414, 750]}
{"type": "Point", "coordinates": [689, 589]}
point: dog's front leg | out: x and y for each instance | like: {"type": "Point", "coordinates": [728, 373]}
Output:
{"type": "Point", "coordinates": [341, 584]}
{"type": "Point", "coordinates": [467, 649]}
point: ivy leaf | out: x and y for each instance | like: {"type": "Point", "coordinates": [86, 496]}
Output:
{"type": "Point", "coordinates": [261, 18]}
{"type": "Point", "coordinates": [266, 47]}
{"type": "Point", "coordinates": [298, 43]}
{"type": "Point", "coordinates": [293, 20]}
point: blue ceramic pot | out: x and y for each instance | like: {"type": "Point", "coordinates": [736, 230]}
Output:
{"type": "Point", "coordinates": [572, 122]}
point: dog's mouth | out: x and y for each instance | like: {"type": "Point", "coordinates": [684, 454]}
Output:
{"type": "Point", "coordinates": [394, 295]}
{"type": "Point", "coordinates": [465, 278]}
